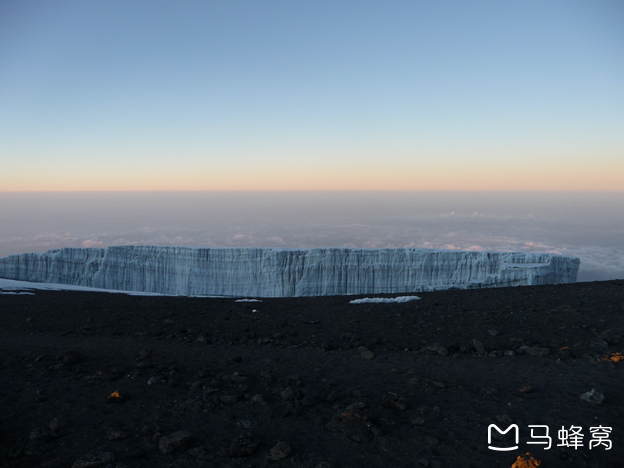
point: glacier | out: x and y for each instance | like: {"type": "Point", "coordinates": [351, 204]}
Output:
{"type": "Point", "coordinates": [277, 272]}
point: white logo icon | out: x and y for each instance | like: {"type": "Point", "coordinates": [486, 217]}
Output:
{"type": "Point", "coordinates": [503, 449]}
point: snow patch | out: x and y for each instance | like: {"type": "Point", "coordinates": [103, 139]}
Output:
{"type": "Point", "coordinates": [384, 300]}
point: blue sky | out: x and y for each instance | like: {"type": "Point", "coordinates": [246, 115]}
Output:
{"type": "Point", "coordinates": [312, 95]}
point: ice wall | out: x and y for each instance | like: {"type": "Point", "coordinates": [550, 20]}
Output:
{"type": "Point", "coordinates": [268, 272]}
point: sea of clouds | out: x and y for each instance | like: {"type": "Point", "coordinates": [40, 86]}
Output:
{"type": "Point", "coordinates": [586, 225]}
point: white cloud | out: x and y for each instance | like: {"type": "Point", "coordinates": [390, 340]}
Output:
{"type": "Point", "coordinates": [92, 243]}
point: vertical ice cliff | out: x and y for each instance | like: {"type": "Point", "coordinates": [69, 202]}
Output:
{"type": "Point", "coordinates": [268, 272]}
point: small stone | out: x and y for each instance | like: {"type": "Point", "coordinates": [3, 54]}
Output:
{"type": "Point", "coordinates": [611, 336]}
{"type": "Point", "coordinates": [117, 397]}
{"type": "Point", "coordinates": [494, 332]}
{"type": "Point", "coordinates": [116, 435]}
{"type": "Point", "coordinates": [394, 402]}
{"type": "Point", "coordinates": [593, 396]}
{"type": "Point", "coordinates": [229, 399]}
{"type": "Point", "coordinates": [356, 406]}
{"type": "Point", "coordinates": [599, 344]}
{"type": "Point", "coordinates": [368, 355]}
{"type": "Point", "coordinates": [195, 385]}
{"type": "Point", "coordinates": [418, 421]}
{"type": "Point", "coordinates": [69, 358]}
{"type": "Point", "coordinates": [196, 451]}
{"type": "Point", "coordinates": [233, 378]}
{"type": "Point", "coordinates": [93, 460]}
{"type": "Point", "coordinates": [57, 424]}
{"type": "Point", "coordinates": [441, 350]}
{"type": "Point", "coordinates": [174, 442]}
{"type": "Point", "coordinates": [424, 462]}
{"type": "Point", "coordinates": [244, 446]}
{"type": "Point", "coordinates": [38, 433]}
{"type": "Point", "coordinates": [280, 451]}
{"type": "Point", "coordinates": [537, 351]}
{"type": "Point", "coordinates": [288, 393]}
{"type": "Point", "coordinates": [311, 398]}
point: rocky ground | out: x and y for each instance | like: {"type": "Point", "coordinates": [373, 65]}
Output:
{"type": "Point", "coordinates": [96, 379]}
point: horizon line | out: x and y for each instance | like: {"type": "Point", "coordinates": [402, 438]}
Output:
{"type": "Point", "coordinates": [323, 191]}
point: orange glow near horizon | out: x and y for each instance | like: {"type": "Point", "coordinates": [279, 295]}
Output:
{"type": "Point", "coordinates": [428, 177]}
{"type": "Point", "coordinates": [432, 171]}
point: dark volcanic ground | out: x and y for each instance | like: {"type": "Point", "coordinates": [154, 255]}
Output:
{"type": "Point", "coordinates": [311, 382]}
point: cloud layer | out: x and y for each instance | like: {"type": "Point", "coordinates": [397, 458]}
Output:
{"type": "Point", "coordinates": [589, 228]}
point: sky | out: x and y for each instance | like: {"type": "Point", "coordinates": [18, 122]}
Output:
{"type": "Point", "coordinates": [311, 95]}
{"type": "Point", "coordinates": [475, 125]}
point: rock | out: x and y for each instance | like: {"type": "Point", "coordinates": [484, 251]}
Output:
{"type": "Point", "coordinates": [150, 429]}
{"type": "Point", "coordinates": [418, 421]}
{"type": "Point", "coordinates": [196, 451]}
{"type": "Point", "coordinates": [494, 332]}
{"type": "Point", "coordinates": [57, 424]}
{"type": "Point", "coordinates": [356, 406]}
{"type": "Point", "coordinates": [368, 355]}
{"type": "Point", "coordinates": [39, 433]}
{"type": "Point", "coordinates": [311, 398]}
{"type": "Point", "coordinates": [599, 344]}
{"type": "Point", "coordinates": [173, 379]}
{"type": "Point", "coordinates": [228, 399]}
{"type": "Point", "coordinates": [394, 402]}
{"type": "Point", "coordinates": [537, 351]}
{"type": "Point", "coordinates": [195, 385]}
{"type": "Point", "coordinates": [611, 336]}
{"type": "Point", "coordinates": [244, 446]}
{"type": "Point", "coordinates": [593, 396]}
{"type": "Point", "coordinates": [93, 460]}
{"type": "Point", "coordinates": [424, 462]}
{"type": "Point", "coordinates": [441, 350]}
{"type": "Point", "coordinates": [288, 393]}
{"type": "Point", "coordinates": [174, 442]}
{"type": "Point", "coordinates": [329, 345]}
{"type": "Point", "coordinates": [69, 358]}
{"type": "Point", "coordinates": [478, 346]}
{"type": "Point", "coordinates": [258, 398]}
{"type": "Point", "coordinates": [233, 378]}
{"type": "Point", "coordinates": [116, 435]}
{"type": "Point", "coordinates": [279, 451]}
{"type": "Point", "coordinates": [117, 396]}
